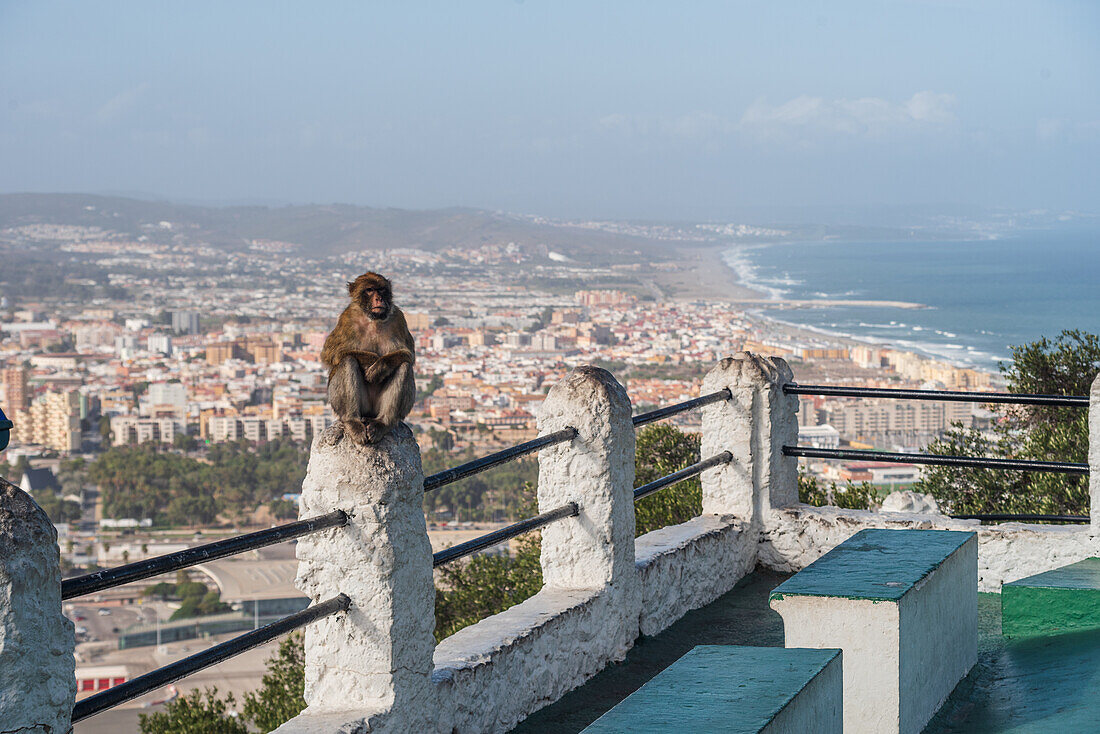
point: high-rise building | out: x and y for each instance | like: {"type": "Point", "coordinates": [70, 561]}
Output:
{"type": "Point", "coordinates": [185, 322]}
{"type": "Point", "coordinates": [14, 382]}
{"type": "Point", "coordinates": [161, 344]}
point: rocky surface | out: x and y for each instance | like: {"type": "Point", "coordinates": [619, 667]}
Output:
{"type": "Point", "coordinates": [37, 667]}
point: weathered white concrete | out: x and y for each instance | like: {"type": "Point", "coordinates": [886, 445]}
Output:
{"type": "Point", "coordinates": [493, 674]}
{"type": "Point", "coordinates": [818, 708]}
{"type": "Point", "coordinates": [369, 669]}
{"type": "Point", "coordinates": [901, 658]}
{"type": "Point", "coordinates": [753, 426]}
{"type": "Point", "coordinates": [1094, 455]}
{"type": "Point", "coordinates": [687, 566]}
{"type": "Point", "coordinates": [37, 683]}
{"type": "Point", "coordinates": [595, 470]}
{"type": "Point", "coordinates": [868, 633]}
{"type": "Point", "coordinates": [797, 536]}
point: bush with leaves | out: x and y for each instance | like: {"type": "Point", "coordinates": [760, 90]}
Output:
{"type": "Point", "coordinates": [1065, 365]}
{"type": "Point", "coordinates": [486, 584]}
{"type": "Point", "coordinates": [198, 712]}
{"type": "Point", "coordinates": [850, 497]}
{"type": "Point", "coordinates": [278, 699]}
{"type": "Point", "coordinates": [661, 450]}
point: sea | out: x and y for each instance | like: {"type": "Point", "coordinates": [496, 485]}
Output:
{"type": "Point", "coordinates": [981, 295]}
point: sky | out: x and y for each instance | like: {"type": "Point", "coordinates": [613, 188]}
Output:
{"type": "Point", "coordinates": [643, 110]}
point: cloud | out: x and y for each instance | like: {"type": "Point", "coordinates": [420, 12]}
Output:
{"type": "Point", "coordinates": [872, 116]}
{"type": "Point", "coordinates": [120, 104]}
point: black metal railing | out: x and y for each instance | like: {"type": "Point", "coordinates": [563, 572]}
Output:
{"type": "Point", "coordinates": [974, 462]}
{"type": "Point", "coordinates": [447, 476]}
{"type": "Point", "coordinates": [506, 533]}
{"type": "Point", "coordinates": [686, 473]}
{"type": "Point", "coordinates": [655, 415]}
{"type": "Point", "coordinates": [111, 577]}
{"type": "Point", "coordinates": [172, 672]}
{"type": "Point", "coordinates": [447, 555]}
{"type": "Point", "coordinates": [1053, 401]}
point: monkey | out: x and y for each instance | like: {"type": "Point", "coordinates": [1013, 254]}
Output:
{"type": "Point", "coordinates": [369, 357]}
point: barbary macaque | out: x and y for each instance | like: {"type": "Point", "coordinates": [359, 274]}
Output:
{"type": "Point", "coordinates": [369, 356]}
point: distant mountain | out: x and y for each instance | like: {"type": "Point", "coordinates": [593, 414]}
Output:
{"type": "Point", "coordinates": [324, 230]}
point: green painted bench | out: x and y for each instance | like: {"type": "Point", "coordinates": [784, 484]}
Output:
{"type": "Point", "coordinates": [735, 690]}
{"type": "Point", "coordinates": [1066, 599]}
{"type": "Point", "coordinates": [903, 606]}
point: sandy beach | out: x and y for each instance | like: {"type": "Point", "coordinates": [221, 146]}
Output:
{"type": "Point", "coordinates": [706, 276]}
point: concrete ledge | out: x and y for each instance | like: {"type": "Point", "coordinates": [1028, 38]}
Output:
{"type": "Point", "coordinates": [491, 675]}
{"type": "Point", "coordinates": [687, 566]}
{"type": "Point", "coordinates": [903, 606]}
{"type": "Point", "coordinates": [794, 537]}
{"type": "Point", "coordinates": [742, 690]}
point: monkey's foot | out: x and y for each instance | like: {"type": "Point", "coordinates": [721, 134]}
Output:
{"type": "Point", "coordinates": [332, 435]}
{"type": "Point", "coordinates": [356, 431]}
{"type": "Point", "coordinates": [375, 430]}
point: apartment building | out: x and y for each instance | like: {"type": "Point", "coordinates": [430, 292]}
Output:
{"type": "Point", "coordinates": [52, 420]}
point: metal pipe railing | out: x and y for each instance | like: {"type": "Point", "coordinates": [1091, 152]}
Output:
{"type": "Point", "coordinates": [1052, 401]}
{"type": "Point", "coordinates": [686, 473]}
{"type": "Point", "coordinates": [447, 476]}
{"type": "Point", "coordinates": [973, 462]}
{"type": "Point", "coordinates": [111, 577]}
{"type": "Point", "coordinates": [172, 672]}
{"type": "Point", "coordinates": [655, 415]}
{"type": "Point", "coordinates": [499, 536]}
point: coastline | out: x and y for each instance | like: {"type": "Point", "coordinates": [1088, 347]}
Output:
{"type": "Point", "coordinates": [709, 276]}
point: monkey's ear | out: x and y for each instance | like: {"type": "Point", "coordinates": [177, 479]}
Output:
{"type": "Point", "coordinates": [351, 287]}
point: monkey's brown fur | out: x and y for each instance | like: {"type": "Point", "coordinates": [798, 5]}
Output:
{"type": "Point", "coordinates": [369, 356]}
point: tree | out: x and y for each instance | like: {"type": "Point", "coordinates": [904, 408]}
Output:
{"type": "Point", "coordinates": [280, 696]}
{"type": "Point", "coordinates": [660, 450]}
{"type": "Point", "coordinates": [196, 713]}
{"type": "Point", "coordinates": [1065, 365]}
{"type": "Point", "coordinates": [486, 585]}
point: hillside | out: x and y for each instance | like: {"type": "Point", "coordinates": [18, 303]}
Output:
{"type": "Point", "coordinates": [323, 229]}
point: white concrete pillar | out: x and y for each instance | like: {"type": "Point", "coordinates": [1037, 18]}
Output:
{"type": "Point", "coordinates": [373, 663]}
{"type": "Point", "coordinates": [37, 667]}
{"type": "Point", "coordinates": [594, 470]}
{"type": "Point", "coordinates": [595, 549]}
{"type": "Point", "coordinates": [753, 425]}
{"type": "Point", "coordinates": [1094, 455]}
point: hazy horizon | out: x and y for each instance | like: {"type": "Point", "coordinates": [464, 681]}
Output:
{"type": "Point", "coordinates": [621, 111]}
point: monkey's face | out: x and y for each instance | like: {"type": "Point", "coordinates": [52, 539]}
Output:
{"type": "Point", "coordinates": [376, 303]}
{"type": "Point", "coordinates": [373, 294]}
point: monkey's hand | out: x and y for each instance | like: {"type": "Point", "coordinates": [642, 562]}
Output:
{"type": "Point", "coordinates": [381, 370]}
{"type": "Point", "coordinates": [367, 361]}
{"type": "Point", "coordinates": [375, 430]}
